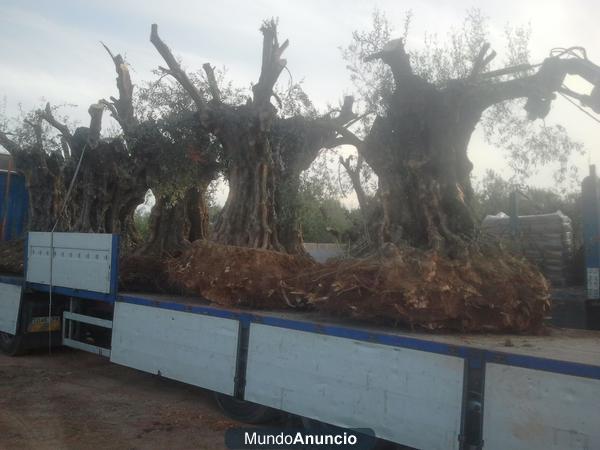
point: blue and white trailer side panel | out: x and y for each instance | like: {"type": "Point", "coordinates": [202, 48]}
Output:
{"type": "Point", "coordinates": [191, 348]}
{"type": "Point", "coordinates": [10, 304]}
{"type": "Point", "coordinates": [406, 396]}
{"type": "Point", "coordinates": [83, 265]}
{"type": "Point", "coordinates": [528, 409]}
{"type": "Point", "coordinates": [409, 388]}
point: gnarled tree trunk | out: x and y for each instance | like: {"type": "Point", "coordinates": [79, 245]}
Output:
{"type": "Point", "coordinates": [264, 154]}
{"type": "Point", "coordinates": [419, 152]}
{"type": "Point", "coordinates": [174, 223]}
{"type": "Point", "coordinates": [418, 148]}
{"type": "Point", "coordinates": [248, 216]}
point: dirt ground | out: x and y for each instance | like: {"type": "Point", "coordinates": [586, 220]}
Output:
{"type": "Point", "coordinates": [75, 400]}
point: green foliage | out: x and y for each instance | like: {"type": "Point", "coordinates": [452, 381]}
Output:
{"type": "Point", "coordinates": [21, 131]}
{"type": "Point", "coordinates": [323, 218]}
{"type": "Point", "coordinates": [293, 101]}
{"type": "Point", "coordinates": [141, 220]}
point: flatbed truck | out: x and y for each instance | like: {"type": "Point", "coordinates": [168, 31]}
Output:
{"type": "Point", "coordinates": [416, 389]}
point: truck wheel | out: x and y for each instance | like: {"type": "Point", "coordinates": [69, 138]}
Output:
{"type": "Point", "coordinates": [12, 345]}
{"type": "Point", "coordinates": [244, 411]}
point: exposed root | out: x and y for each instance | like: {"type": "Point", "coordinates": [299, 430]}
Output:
{"type": "Point", "coordinates": [11, 256]}
{"type": "Point", "coordinates": [238, 276]}
{"type": "Point", "coordinates": [486, 290]}
{"type": "Point", "coordinates": [144, 274]}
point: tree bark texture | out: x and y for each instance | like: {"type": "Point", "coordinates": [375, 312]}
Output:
{"type": "Point", "coordinates": [264, 154]}
{"type": "Point", "coordinates": [418, 148]}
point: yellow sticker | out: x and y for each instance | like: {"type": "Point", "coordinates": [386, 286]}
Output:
{"type": "Point", "coordinates": [39, 324]}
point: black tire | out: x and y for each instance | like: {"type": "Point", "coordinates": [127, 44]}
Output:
{"type": "Point", "coordinates": [244, 411]}
{"type": "Point", "coordinates": [12, 345]}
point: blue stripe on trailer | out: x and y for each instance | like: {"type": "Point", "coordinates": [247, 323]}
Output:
{"type": "Point", "coordinates": [527, 361]}
{"type": "Point", "coordinates": [544, 364]}
{"type": "Point", "coordinates": [367, 336]}
{"type": "Point", "coordinates": [311, 327]}
{"type": "Point", "coordinates": [79, 293]}
{"type": "Point", "coordinates": [18, 281]}
{"type": "Point", "coordinates": [196, 309]}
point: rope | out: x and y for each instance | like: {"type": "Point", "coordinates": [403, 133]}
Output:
{"type": "Point", "coordinates": [62, 210]}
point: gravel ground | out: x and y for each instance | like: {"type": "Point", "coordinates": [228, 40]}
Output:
{"type": "Point", "coordinates": [75, 400]}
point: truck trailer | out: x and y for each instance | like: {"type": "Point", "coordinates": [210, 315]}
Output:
{"type": "Point", "coordinates": [417, 389]}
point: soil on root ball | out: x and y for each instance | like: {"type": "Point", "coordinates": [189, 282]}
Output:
{"type": "Point", "coordinates": [486, 290]}
{"type": "Point", "coordinates": [11, 256]}
{"type": "Point", "coordinates": [239, 276]}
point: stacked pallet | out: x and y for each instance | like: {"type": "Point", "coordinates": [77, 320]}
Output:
{"type": "Point", "coordinates": [545, 239]}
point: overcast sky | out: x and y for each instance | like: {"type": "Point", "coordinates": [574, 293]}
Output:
{"type": "Point", "coordinates": [50, 50]}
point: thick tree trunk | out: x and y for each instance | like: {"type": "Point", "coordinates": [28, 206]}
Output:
{"type": "Point", "coordinates": [102, 200]}
{"type": "Point", "coordinates": [419, 152]}
{"type": "Point", "coordinates": [45, 189]}
{"type": "Point", "coordinates": [248, 216]}
{"type": "Point", "coordinates": [166, 227]}
{"type": "Point", "coordinates": [287, 201]}
{"type": "Point", "coordinates": [174, 224]}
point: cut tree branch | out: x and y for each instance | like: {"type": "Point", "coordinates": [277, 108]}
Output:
{"type": "Point", "coordinates": [11, 146]}
{"type": "Point", "coordinates": [481, 61]}
{"type": "Point", "coordinates": [394, 55]}
{"type": "Point", "coordinates": [37, 130]}
{"type": "Point", "coordinates": [123, 106]}
{"type": "Point", "coordinates": [212, 82]}
{"type": "Point", "coordinates": [272, 63]}
{"type": "Point", "coordinates": [175, 69]}
{"type": "Point", "coordinates": [47, 115]}
{"type": "Point", "coordinates": [346, 113]}
{"type": "Point", "coordinates": [95, 110]}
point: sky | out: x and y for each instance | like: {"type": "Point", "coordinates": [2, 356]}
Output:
{"type": "Point", "coordinates": [50, 50]}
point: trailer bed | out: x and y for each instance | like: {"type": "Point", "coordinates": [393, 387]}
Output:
{"type": "Point", "coordinates": [572, 345]}
{"type": "Point", "coordinates": [410, 387]}
{"type": "Point", "coordinates": [556, 343]}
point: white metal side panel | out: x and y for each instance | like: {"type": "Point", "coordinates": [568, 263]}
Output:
{"type": "Point", "coordinates": [81, 261]}
{"type": "Point", "coordinates": [406, 396]}
{"type": "Point", "coordinates": [527, 409]}
{"type": "Point", "coordinates": [194, 349]}
{"type": "Point", "coordinates": [10, 300]}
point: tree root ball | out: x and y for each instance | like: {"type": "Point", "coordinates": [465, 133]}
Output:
{"type": "Point", "coordinates": [485, 290]}
{"type": "Point", "coordinates": [238, 276]}
{"type": "Point", "coordinates": [11, 256]}
{"type": "Point", "coordinates": [144, 273]}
